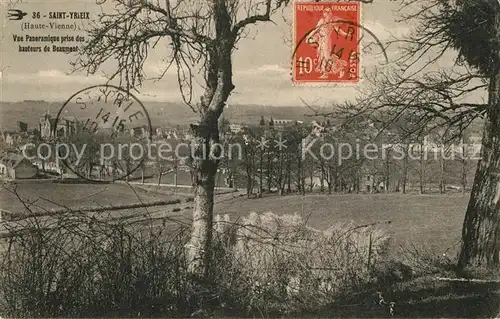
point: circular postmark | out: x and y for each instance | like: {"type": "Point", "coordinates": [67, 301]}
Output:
{"type": "Point", "coordinates": [102, 133]}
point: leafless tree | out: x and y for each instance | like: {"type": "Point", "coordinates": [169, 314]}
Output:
{"type": "Point", "coordinates": [201, 36]}
{"type": "Point", "coordinates": [473, 28]}
{"type": "Point", "coordinates": [435, 98]}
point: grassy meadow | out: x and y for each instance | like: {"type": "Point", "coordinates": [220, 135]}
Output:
{"type": "Point", "coordinates": [50, 195]}
{"type": "Point", "coordinates": [431, 222]}
{"type": "Point", "coordinates": [428, 225]}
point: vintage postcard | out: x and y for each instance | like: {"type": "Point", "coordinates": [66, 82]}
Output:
{"type": "Point", "coordinates": [250, 158]}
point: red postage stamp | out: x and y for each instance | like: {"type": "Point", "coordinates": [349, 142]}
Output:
{"type": "Point", "coordinates": [326, 42]}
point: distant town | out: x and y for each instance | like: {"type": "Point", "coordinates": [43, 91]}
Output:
{"type": "Point", "coordinates": [281, 172]}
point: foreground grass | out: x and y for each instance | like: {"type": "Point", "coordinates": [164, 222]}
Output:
{"type": "Point", "coordinates": [422, 228]}
{"type": "Point", "coordinates": [424, 296]}
{"type": "Point", "coordinates": [431, 223]}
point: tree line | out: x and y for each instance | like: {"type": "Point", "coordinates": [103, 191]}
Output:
{"type": "Point", "coordinates": [346, 158]}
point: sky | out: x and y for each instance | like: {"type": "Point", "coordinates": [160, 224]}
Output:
{"type": "Point", "coordinates": [261, 61]}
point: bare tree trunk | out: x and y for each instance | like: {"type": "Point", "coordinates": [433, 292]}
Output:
{"type": "Point", "coordinates": [300, 184]}
{"type": "Point", "coordinates": [269, 170]}
{"type": "Point", "coordinates": [303, 179]}
{"type": "Point", "coordinates": [176, 172]}
{"type": "Point", "coordinates": [261, 167]}
{"type": "Point", "coordinates": [421, 172]}
{"type": "Point", "coordinates": [127, 170]}
{"type": "Point", "coordinates": [199, 247]}
{"type": "Point", "coordinates": [329, 180]}
{"type": "Point", "coordinates": [322, 178]}
{"type": "Point", "coordinates": [387, 172]}
{"type": "Point", "coordinates": [233, 179]}
{"type": "Point", "coordinates": [203, 171]}
{"type": "Point", "coordinates": [463, 172]}
{"type": "Point", "coordinates": [249, 183]}
{"type": "Point", "coordinates": [281, 170]}
{"type": "Point", "coordinates": [481, 228]}
{"type": "Point", "coordinates": [280, 179]}
{"type": "Point", "coordinates": [463, 179]}
{"type": "Point", "coordinates": [289, 173]}
{"type": "Point", "coordinates": [442, 186]}
{"type": "Point", "coordinates": [311, 177]}
{"type": "Point", "coordinates": [249, 168]}
{"type": "Point", "coordinates": [206, 135]}
{"type": "Point", "coordinates": [405, 171]}
{"type": "Point", "coordinates": [336, 181]}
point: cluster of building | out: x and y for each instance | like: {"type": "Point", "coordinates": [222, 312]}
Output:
{"type": "Point", "coordinates": [46, 129]}
{"type": "Point", "coordinates": [276, 124]}
{"type": "Point", "coordinates": [13, 165]}
{"type": "Point", "coordinates": [170, 133]}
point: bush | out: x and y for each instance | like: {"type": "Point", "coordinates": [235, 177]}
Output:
{"type": "Point", "coordinates": [287, 267]}
{"type": "Point", "coordinates": [78, 265]}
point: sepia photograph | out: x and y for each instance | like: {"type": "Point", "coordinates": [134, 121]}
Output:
{"type": "Point", "coordinates": [250, 159]}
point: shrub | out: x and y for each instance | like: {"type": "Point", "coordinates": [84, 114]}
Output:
{"type": "Point", "coordinates": [78, 265]}
{"type": "Point", "coordinates": [81, 266]}
{"type": "Point", "coordinates": [287, 267]}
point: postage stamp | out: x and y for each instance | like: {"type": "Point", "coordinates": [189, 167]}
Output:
{"type": "Point", "coordinates": [326, 42]}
